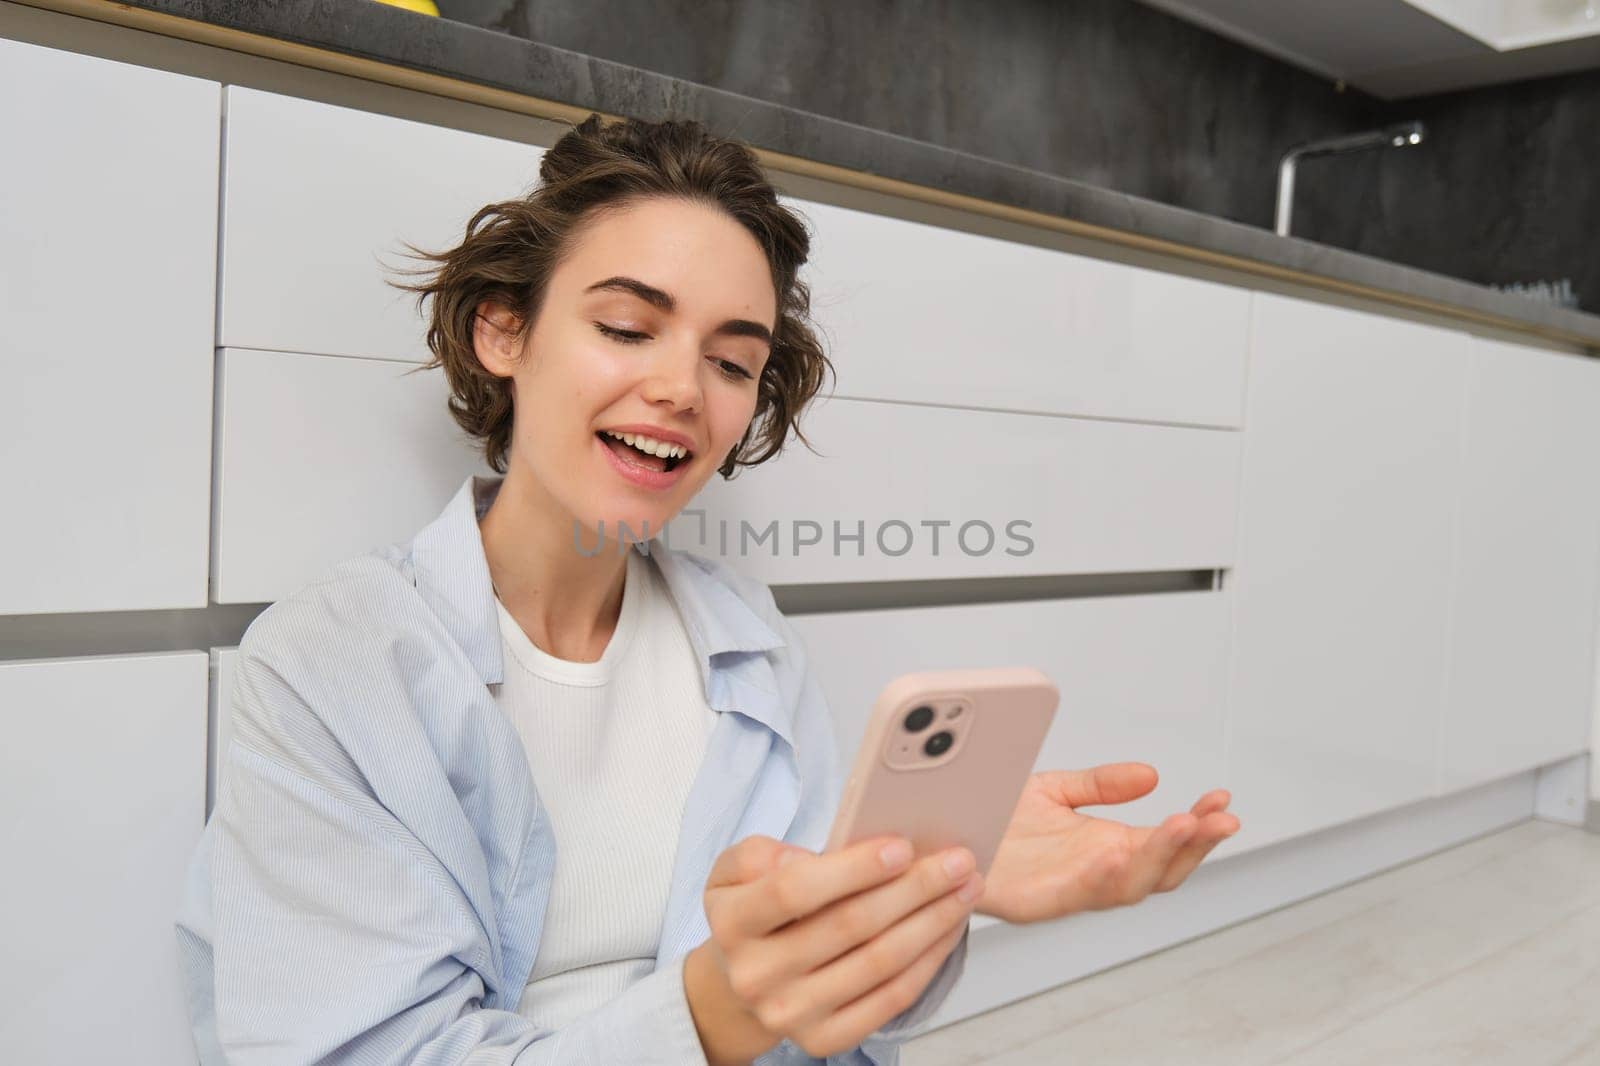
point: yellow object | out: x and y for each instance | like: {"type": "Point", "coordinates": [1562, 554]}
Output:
{"type": "Point", "coordinates": [422, 7]}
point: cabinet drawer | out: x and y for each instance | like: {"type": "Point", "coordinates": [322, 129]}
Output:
{"type": "Point", "coordinates": [1018, 495]}
{"type": "Point", "coordinates": [1141, 677]}
{"type": "Point", "coordinates": [320, 458]}
{"type": "Point", "coordinates": [108, 243]}
{"type": "Point", "coordinates": [922, 313]}
{"type": "Point", "coordinates": [316, 202]}
{"type": "Point", "coordinates": [106, 756]}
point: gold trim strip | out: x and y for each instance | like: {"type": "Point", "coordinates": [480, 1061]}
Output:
{"type": "Point", "coordinates": [504, 99]}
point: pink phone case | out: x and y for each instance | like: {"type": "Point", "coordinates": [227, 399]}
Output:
{"type": "Point", "coordinates": [997, 717]}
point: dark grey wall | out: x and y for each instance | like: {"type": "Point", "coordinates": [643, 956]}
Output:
{"type": "Point", "coordinates": [1123, 96]}
{"type": "Point", "coordinates": [1506, 189]}
{"type": "Point", "coordinates": [1105, 91]}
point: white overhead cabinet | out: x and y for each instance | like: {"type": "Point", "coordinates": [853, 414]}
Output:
{"type": "Point", "coordinates": [1522, 674]}
{"type": "Point", "coordinates": [103, 779]}
{"type": "Point", "coordinates": [1348, 495]}
{"type": "Point", "coordinates": [317, 202]}
{"type": "Point", "coordinates": [920, 313]}
{"type": "Point", "coordinates": [107, 265]}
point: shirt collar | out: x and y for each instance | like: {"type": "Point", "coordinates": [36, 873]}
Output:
{"type": "Point", "coordinates": [452, 575]}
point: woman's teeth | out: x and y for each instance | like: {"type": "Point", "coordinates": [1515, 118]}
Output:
{"type": "Point", "coordinates": [649, 445]}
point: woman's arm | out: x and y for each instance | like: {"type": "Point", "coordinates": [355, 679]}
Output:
{"type": "Point", "coordinates": [335, 937]}
{"type": "Point", "coordinates": [318, 927]}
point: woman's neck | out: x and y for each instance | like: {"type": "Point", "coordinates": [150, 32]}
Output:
{"type": "Point", "coordinates": [567, 602]}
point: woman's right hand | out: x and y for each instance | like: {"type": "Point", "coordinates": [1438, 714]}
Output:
{"type": "Point", "coordinates": [821, 949]}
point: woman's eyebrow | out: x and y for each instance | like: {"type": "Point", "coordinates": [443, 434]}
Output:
{"type": "Point", "coordinates": [733, 327]}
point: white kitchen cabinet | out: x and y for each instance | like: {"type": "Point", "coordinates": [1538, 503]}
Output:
{"type": "Point", "coordinates": [320, 458]}
{"type": "Point", "coordinates": [107, 265]}
{"type": "Point", "coordinates": [316, 202]}
{"type": "Point", "coordinates": [1086, 496]}
{"type": "Point", "coordinates": [103, 781]}
{"type": "Point", "coordinates": [1351, 474]}
{"type": "Point", "coordinates": [919, 313]}
{"type": "Point", "coordinates": [1141, 676]}
{"type": "Point", "coordinates": [1521, 683]}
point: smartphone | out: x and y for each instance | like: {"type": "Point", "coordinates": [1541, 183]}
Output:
{"type": "Point", "coordinates": [945, 757]}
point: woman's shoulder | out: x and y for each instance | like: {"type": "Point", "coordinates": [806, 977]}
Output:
{"type": "Point", "coordinates": [337, 672]}
{"type": "Point", "coordinates": [356, 640]}
{"type": "Point", "coordinates": [364, 593]}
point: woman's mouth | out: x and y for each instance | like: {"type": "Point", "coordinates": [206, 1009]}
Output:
{"type": "Point", "coordinates": [643, 460]}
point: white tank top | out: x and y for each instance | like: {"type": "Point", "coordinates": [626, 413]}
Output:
{"type": "Point", "coordinates": [614, 746]}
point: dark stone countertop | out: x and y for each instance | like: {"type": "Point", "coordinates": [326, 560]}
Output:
{"type": "Point", "coordinates": [402, 38]}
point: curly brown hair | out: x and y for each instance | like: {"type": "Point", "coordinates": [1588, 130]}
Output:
{"type": "Point", "coordinates": [511, 248]}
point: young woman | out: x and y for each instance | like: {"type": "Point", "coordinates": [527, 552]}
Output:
{"type": "Point", "coordinates": [517, 791]}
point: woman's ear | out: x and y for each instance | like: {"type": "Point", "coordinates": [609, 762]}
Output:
{"type": "Point", "coordinates": [495, 338]}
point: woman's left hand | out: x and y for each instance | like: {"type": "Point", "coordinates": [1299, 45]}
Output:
{"type": "Point", "coordinates": [1054, 861]}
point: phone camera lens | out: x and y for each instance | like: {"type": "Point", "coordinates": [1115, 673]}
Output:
{"type": "Point", "coordinates": [939, 743]}
{"type": "Point", "coordinates": [919, 719]}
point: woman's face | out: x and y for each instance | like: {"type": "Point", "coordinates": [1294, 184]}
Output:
{"type": "Point", "coordinates": [655, 326]}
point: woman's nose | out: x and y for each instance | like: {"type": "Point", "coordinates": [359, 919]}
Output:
{"type": "Point", "coordinates": [675, 379]}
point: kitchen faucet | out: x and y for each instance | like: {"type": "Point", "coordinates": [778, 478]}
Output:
{"type": "Point", "coordinates": [1401, 136]}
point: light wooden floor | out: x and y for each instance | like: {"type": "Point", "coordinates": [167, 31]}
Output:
{"type": "Point", "coordinates": [1488, 952]}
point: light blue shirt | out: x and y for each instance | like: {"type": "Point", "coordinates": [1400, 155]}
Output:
{"type": "Point", "coordinates": [372, 881]}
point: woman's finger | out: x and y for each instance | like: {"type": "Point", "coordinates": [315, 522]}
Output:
{"type": "Point", "coordinates": [1150, 863]}
{"type": "Point", "coordinates": [1109, 783]}
{"type": "Point", "coordinates": [832, 931]}
{"type": "Point", "coordinates": [813, 997]}
{"type": "Point", "coordinates": [746, 861]}
{"type": "Point", "coordinates": [1212, 832]}
{"type": "Point", "coordinates": [806, 882]}
{"type": "Point", "coordinates": [1215, 800]}
{"type": "Point", "coordinates": [852, 1022]}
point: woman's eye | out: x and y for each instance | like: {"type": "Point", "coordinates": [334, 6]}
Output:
{"type": "Point", "coordinates": [626, 336]}
{"type": "Point", "coordinates": [732, 370]}
{"type": "Point", "coordinates": [727, 367]}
